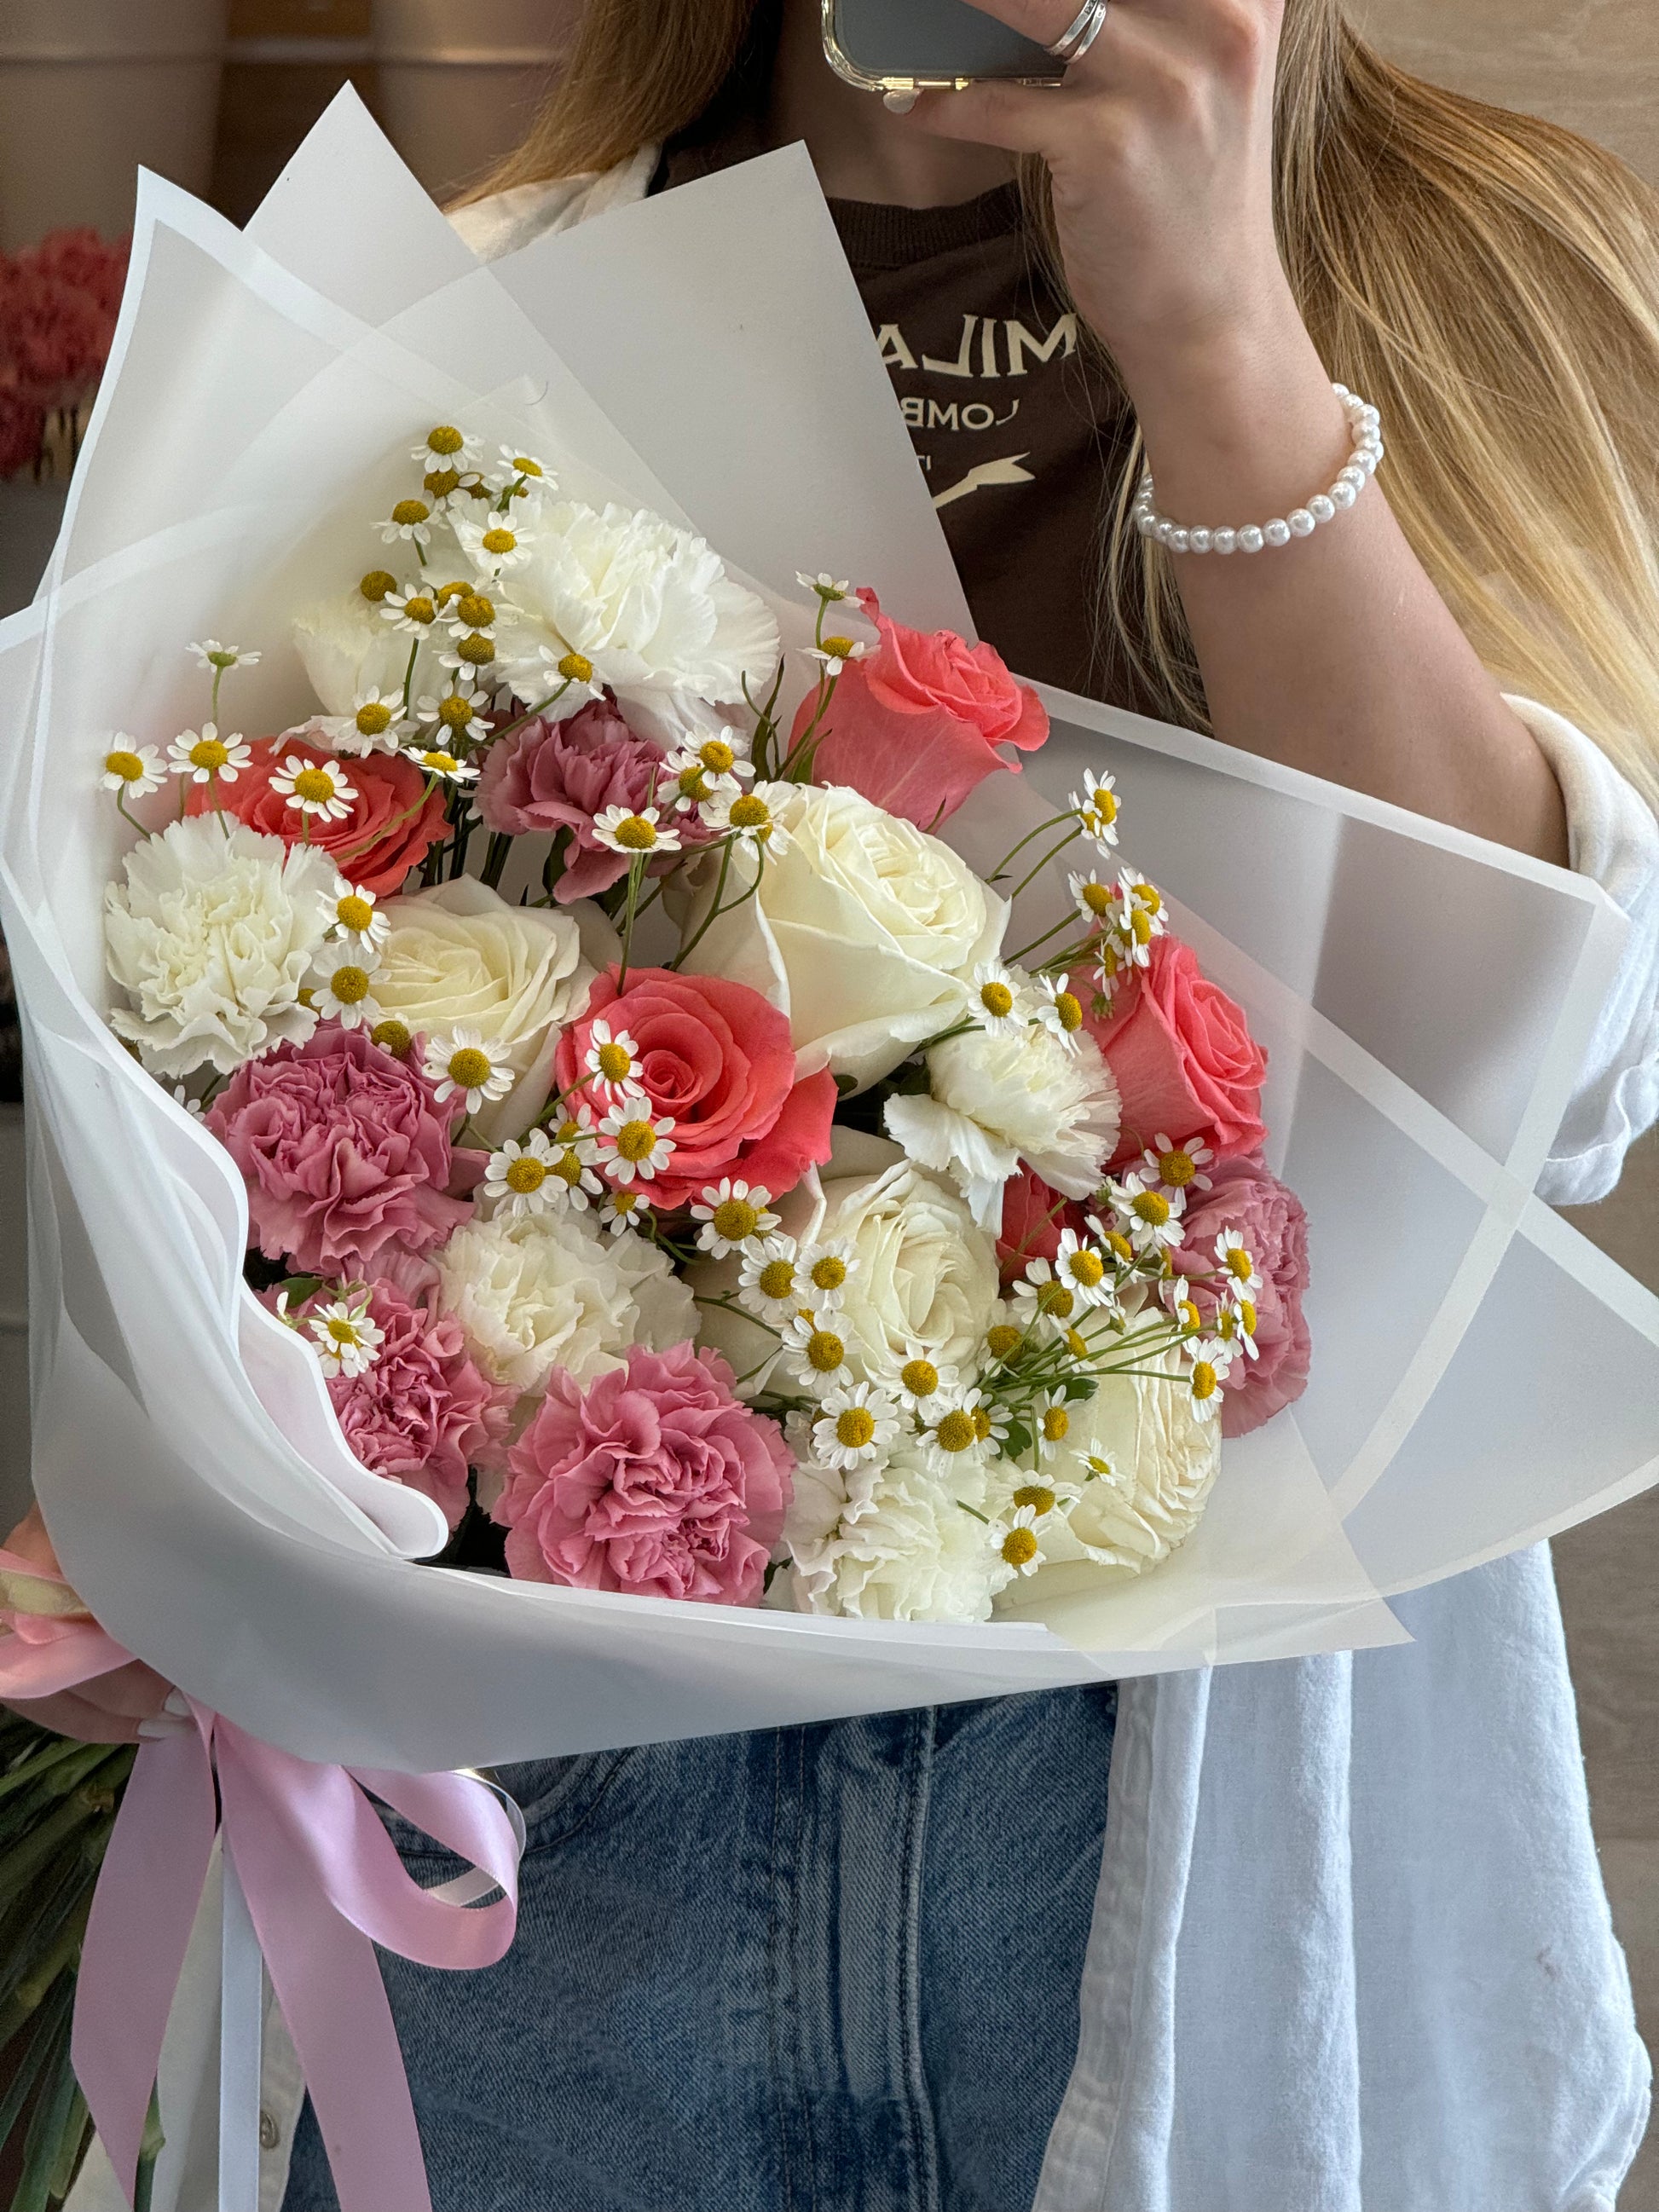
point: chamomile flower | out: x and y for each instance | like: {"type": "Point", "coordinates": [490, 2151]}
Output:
{"type": "Point", "coordinates": [203, 754]}
{"type": "Point", "coordinates": [1137, 919]}
{"type": "Point", "coordinates": [746, 817]}
{"type": "Point", "coordinates": [713, 766]}
{"type": "Point", "coordinates": [348, 1341]}
{"type": "Point", "coordinates": [635, 1140]}
{"type": "Point", "coordinates": [1045, 1496]}
{"type": "Point", "coordinates": [1059, 1010]}
{"type": "Point", "coordinates": [1096, 809]}
{"type": "Point", "coordinates": [612, 1059]}
{"type": "Point", "coordinates": [193, 1107]}
{"type": "Point", "coordinates": [525, 471]}
{"type": "Point", "coordinates": [689, 783]}
{"type": "Point", "coordinates": [460, 1065]}
{"type": "Point", "coordinates": [827, 589]}
{"type": "Point", "coordinates": [553, 675]}
{"type": "Point", "coordinates": [493, 545]}
{"type": "Point", "coordinates": [358, 918]}
{"type": "Point", "coordinates": [1019, 1547]}
{"type": "Point", "coordinates": [954, 1435]}
{"type": "Point", "coordinates": [134, 770]}
{"type": "Point", "coordinates": [836, 653]}
{"type": "Point", "coordinates": [1051, 1423]}
{"type": "Point", "coordinates": [1212, 1363]}
{"type": "Point", "coordinates": [470, 609]}
{"type": "Point", "coordinates": [1094, 901]}
{"type": "Point", "coordinates": [769, 1280]}
{"type": "Point", "coordinates": [825, 1270]}
{"type": "Point", "coordinates": [450, 492]}
{"type": "Point", "coordinates": [620, 1210]}
{"type": "Point", "coordinates": [317, 788]}
{"type": "Point", "coordinates": [1043, 1302]}
{"type": "Point", "coordinates": [1084, 1270]}
{"type": "Point", "coordinates": [574, 1153]}
{"type": "Point", "coordinates": [815, 1350]}
{"type": "Point", "coordinates": [1177, 1167]}
{"type": "Point", "coordinates": [522, 1177]}
{"type": "Point", "coordinates": [445, 447]}
{"type": "Point", "coordinates": [343, 984]}
{"type": "Point", "coordinates": [857, 1424]}
{"type": "Point", "coordinates": [407, 521]}
{"type": "Point", "coordinates": [443, 766]}
{"type": "Point", "coordinates": [377, 723]}
{"type": "Point", "coordinates": [1151, 1217]}
{"type": "Point", "coordinates": [1236, 1263]}
{"type": "Point", "coordinates": [470, 653]}
{"type": "Point", "coordinates": [210, 654]}
{"type": "Point", "coordinates": [921, 1380]}
{"type": "Point", "coordinates": [644, 832]}
{"type": "Point", "coordinates": [1235, 1324]}
{"type": "Point", "coordinates": [734, 1216]}
{"type": "Point", "coordinates": [458, 713]}
{"type": "Point", "coordinates": [998, 997]}
{"type": "Point", "coordinates": [414, 611]}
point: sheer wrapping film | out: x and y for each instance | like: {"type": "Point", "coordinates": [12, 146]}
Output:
{"type": "Point", "coordinates": [1480, 1373]}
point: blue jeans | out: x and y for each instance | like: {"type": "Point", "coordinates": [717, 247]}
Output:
{"type": "Point", "coordinates": [823, 1969]}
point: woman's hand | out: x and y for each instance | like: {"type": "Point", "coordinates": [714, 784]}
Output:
{"type": "Point", "coordinates": [119, 1707]}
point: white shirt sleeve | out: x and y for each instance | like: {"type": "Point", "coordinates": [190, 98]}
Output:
{"type": "Point", "coordinates": [1614, 836]}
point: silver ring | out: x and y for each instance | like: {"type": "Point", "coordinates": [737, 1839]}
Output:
{"type": "Point", "coordinates": [1080, 32]}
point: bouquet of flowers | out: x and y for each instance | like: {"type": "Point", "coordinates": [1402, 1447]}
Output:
{"type": "Point", "coordinates": [58, 306]}
{"type": "Point", "coordinates": [832, 1250]}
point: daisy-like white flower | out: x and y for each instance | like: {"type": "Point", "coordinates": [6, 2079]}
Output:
{"type": "Point", "coordinates": [734, 1215]}
{"type": "Point", "coordinates": [769, 1279]}
{"type": "Point", "coordinates": [858, 1422]}
{"type": "Point", "coordinates": [413, 612]}
{"type": "Point", "coordinates": [836, 653]}
{"type": "Point", "coordinates": [343, 983]}
{"type": "Point", "coordinates": [407, 520]}
{"type": "Point", "coordinates": [524, 470]}
{"type": "Point", "coordinates": [445, 447]}
{"type": "Point", "coordinates": [521, 1177]}
{"type": "Point", "coordinates": [193, 1107]}
{"type": "Point", "coordinates": [1059, 1010]}
{"type": "Point", "coordinates": [574, 1152]}
{"type": "Point", "coordinates": [470, 609]}
{"type": "Point", "coordinates": [1136, 918]}
{"type": "Point", "coordinates": [825, 1270]}
{"type": "Point", "coordinates": [1151, 1218]}
{"type": "Point", "coordinates": [458, 713]}
{"type": "Point", "coordinates": [459, 1063]}
{"type": "Point", "coordinates": [348, 1342]}
{"type": "Point", "coordinates": [494, 546]}
{"type": "Point", "coordinates": [446, 767]}
{"type": "Point", "coordinates": [1177, 1167]}
{"type": "Point", "coordinates": [746, 817]}
{"type": "Point", "coordinates": [1236, 1262]}
{"type": "Point", "coordinates": [1046, 1497]}
{"type": "Point", "coordinates": [827, 588]}
{"type": "Point", "coordinates": [1084, 1270]}
{"type": "Point", "coordinates": [1212, 1363]}
{"type": "Point", "coordinates": [203, 754]}
{"type": "Point", "coordinates": [210, 654]}
{"type": "Point", "coordinates": [620, 1210]}
{"type": "Point", "coordinates": [1043, 1302]}
{"type": "Point", "coordinates": [377, 723]}
{"type": "Point", "coordinates": [635, 833]}
{"type": "Point", "coordinates": [452, 492]}
{"type": "Point", "coordinates": [358, 918]}
{"type": "Point", "coordinates": [134, 770]}
{"type": "Point", "coordinates": [612, 1059]}
{"type": "Point", "coordinates": [1051, 1422]}
{"type": "Point", "coordinates": [315, 787]}
{"type": "Point", "coordinates": [921, 1380]}
{"type": "Point", "coordinates": [635, 1140]}
{"type": "Point", "coordinates": [1235, 1324]}
{"type": "Point", "coordinates": [1019, 1546]}
{"type": "Point", "coordinates": [708, 767]}
{"type": "Point", "coordinates": [1096, 807]}
{"type": "Point", "coordinates": [1094, 901]}
{"type": "Point", "coordinates": [470, 653]}
{"type": "Point", "coordinates": [816, 1351]}
{"type": "Point", "coordinates": [955, 1435]}
{"type": "Point", "coordinates": [548, 673]}
{"type": "Point", "coordinates": [998, 996]}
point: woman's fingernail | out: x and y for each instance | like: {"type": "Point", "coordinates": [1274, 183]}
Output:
{"type": "Point", "coordinates": [161, 1726]}
{"type": "Point", "coordinates": [177, 1702]}
{"type": "Point", "coordinates": [898, 103]}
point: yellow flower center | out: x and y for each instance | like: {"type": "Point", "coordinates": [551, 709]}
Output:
{"type": "Point", "coordinates": [1086, 1268]}
{"type": "Point", "coordinates": [444, 440]}
{"type": "Point", "coordinates": [475, 610]}
{"type": "Point", "coordinates": [1097, 898]}
{"type": "Point", "coordinates": [1148, 897]}
{"type": "Point", "coordinates": [349, 985]}
{"type": "Point", "coordinates": [455, 712]}
{"type": "Point", "coordinates": [824, 1351]}
{"type": "Point", "coordinates": [1204, 1380]}
{"type": "Point", "coordinates": [854, 1428]}
{"type": "Point", "coordinates": [634, 834]}
{"type": "Point", "coordinates": [477, 652]}
{"type": "Point", "coordinates": [982, 1423]}
{"type": "Point", "coordinates": [997, 999]}
{"type": "Point", "coordinates": [1056, 1424]}
{"type": "Point", "coordinates": [526, 1173]}
{"type": "Point", "coordinates": [1141, 926]}
{"type": "Point", "coordinates": [1101, 809]}
{"type": "Point", "coordinates": [735, 1219]}
{"type": "Point", "coordinates": [343, 1331]}
{"type": "Point", "coordinates": [439, 763]}
{"type": "Point", "coordinates": [1240, 1265]}
{"type": "Point", "coordinates": [1151, 1207]}
{"type": "Point", "coordinates": [1003, 1339]}
{"type": "Point", "coordinates": [1055, 1299]}
{"type": "Point", "coordinates": [210, 753]}
{"type": "Point", "coordinates": [446, 593]}
{"type": "Point", "coordinates": [418, 608]}
{"type": "Point", "coordinates": [919, 1377]}
{"type": "Point", "coordinates": [569, 1168]}
{"type": "Point", "coordinates": [377, 584]}
{"type": "Point", "coordinates": [1177, 1167]}
{"type": "Point", "coordinates": [636, 1142]}
{"type": "Point", "coordinates": [392, 1036]}
{"type": "Point", "coordinates": [373, 720]}
{"type": "Point", "coordinates": [955, 1432]}
{"type": "Point", "coordinates": [1117, 1243]}
{"type": "Point", "coordinates": [625, 1203]}
{"type": "Point", "coordinates": [1019, 1546]}
{"type": "Point", "coordinates": [616, 1062]}
{"type": "Point", "coordinates": [1070, 1010]}
{"type": "Point", "coordinates": [1190, 1317]}
{"type": "Point", "coordinates": [693, 783]}
{"type": "Point", "coordinates": [469, 1068]}
{"type": "Point", "coordinates": [524, 466]}
{"type": "Point", "coordinates": [750, 813]}
{"type": "Point", "coordinates": [1037, 1496]}
{"type": "Point", "coordinates": [315, 784]}
{"type": "Point", "coordinates": [126, 765]}
{"type": "Point", "coordinates": [499, 541]}
{"type": "Point", "coordinates": [438, 483]}
{"type": "Point", "coordinates": [1077, 1344]}
{"type": "Point", "coordinates": [828, 1273]}
{"type": "Point", "coordinates": [577, 668]}
{"type": "Point", "coordinates": [777, 1278]}
{"type": "Point", "coordinates": [838, 647]}
{"type": "Point", "coordinates": [716, 756]}
{"type": "Point", "coordinates": [1247, 1316]}
{"type": "Point", "coordinates": [410, 512]}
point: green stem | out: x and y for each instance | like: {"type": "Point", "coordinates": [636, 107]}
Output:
{"type": "Point", "coordinates": [635, 874]}
{"type": "Point", "coordinates": [731, 1305]}
{"type": "Point", "coordinates": [495, 856]}
{"type": "Point", "coordinates": [1070, 815]}
{"type": "Point", "coordinates": [1053, 854]}
{"type": "Point", "coordinates": [409, 673]}
{"type": "Point", "coordinates": [708, 921]}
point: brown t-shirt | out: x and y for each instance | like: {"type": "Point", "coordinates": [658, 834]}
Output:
{"type": "Point", "coordinates": [1021, 437]}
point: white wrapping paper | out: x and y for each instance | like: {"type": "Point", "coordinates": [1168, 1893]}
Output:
{"type": "Point", "coordinates": [1482, 1376]}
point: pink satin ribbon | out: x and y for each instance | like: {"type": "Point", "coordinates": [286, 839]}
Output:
{"type": "Point", "coordinates": [324, 1885]}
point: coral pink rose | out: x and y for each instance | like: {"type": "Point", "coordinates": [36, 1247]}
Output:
{"type": "Point", "coordinates": [56, 1663]}
{"type": "Point", "coordinates": [1186, 1063]}
{"type": "Point", "coordinates": [1271, 1221]}
{"type": "Point", "coordinates": [716, 1058]}
{"type": "Point", "coordinates": [375, 845]}
{"type": "Point", "coordinates": [915, 725]}
{"type": "Point", "coordinates": [654, 1480]}
{"type": "Point", "coordinates": [1033, 1216]}
{"type": "Point", "coordinates": [342, 1149]}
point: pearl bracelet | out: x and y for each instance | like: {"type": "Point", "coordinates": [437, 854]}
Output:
{"type": "Point", "coordinates": [1363, 429]}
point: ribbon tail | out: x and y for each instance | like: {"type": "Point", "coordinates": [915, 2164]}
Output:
{"type": "Point", "coordinates": [143, 1911]}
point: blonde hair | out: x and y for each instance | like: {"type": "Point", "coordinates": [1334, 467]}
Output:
{"type": "Point", "coordinates": [1490, 280]}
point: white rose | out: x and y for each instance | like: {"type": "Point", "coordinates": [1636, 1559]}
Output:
{"type": "Point", "coordinates": [650, 605]}
{"type": "Point", "coordinates": [537, 1291]}
{"type": "Point", "coordinates": [458, 955]}
{"type": "Point", "coordinates": [348, 648]}
{"type": "Point", "coordinates": [212, 939]}
{"type": "Point", "coordinates": [925, 1275]}
{"type": "Point", "coordinates": [1003, 1096]}
{"type": "Point", "coordinates": [892, 1543]}
{"type": "Point", "coordinates": [864, 930]}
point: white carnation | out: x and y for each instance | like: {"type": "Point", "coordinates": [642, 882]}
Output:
{"type": "Point", "coordinates": [649, 605]}
{"type": "Point", "coordinates": [537, 1291]}
{"type": "Point", "coordinates": [212, 939]}
{"type": "Point", "coordinates": [894, 1542]}
{"type": "Point", "coordinates": [925, 1281]}
{"type": "Point", "coordinates": [347, 649]}
{"type": "Point", "coordinates": [999, 1097]}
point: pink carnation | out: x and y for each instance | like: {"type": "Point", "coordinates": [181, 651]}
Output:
{"type": "Point", "coordinates": [342, 1149]}
{"type": "Point", "coordinates": [1271, 1221]}
{"type": "Point", "coordinates": [915, 725]}
{"type": "Point", "coordinates": [654, 1480]}
{"type": "Point", "coordinates": [551, 776]}
{"type": "Point", "coordinates": [1186, 1064]}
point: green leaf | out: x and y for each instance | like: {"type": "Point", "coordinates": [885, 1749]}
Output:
{"type": "Point", "coordinates": [43, 2144]}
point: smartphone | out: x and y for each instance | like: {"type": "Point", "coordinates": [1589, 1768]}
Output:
{"type": "Point", "coordinates": [918, 45]}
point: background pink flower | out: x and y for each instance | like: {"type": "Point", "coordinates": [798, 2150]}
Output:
{"type": "Point", "coordinates": [375, 845]}
{"type": "Point", "coordinates": [1186, 1063]}
{"type": "Point", "coordinates": [342, 1149]}
{"type": "Point", "coordinates": [655, 1480]}
{"type": "Point", "coordinates": [1270, 1218]}
{"type": "Point", "coordinates": [915, 725]}
{"type": "Point", "coordinates": [717, 1058]}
